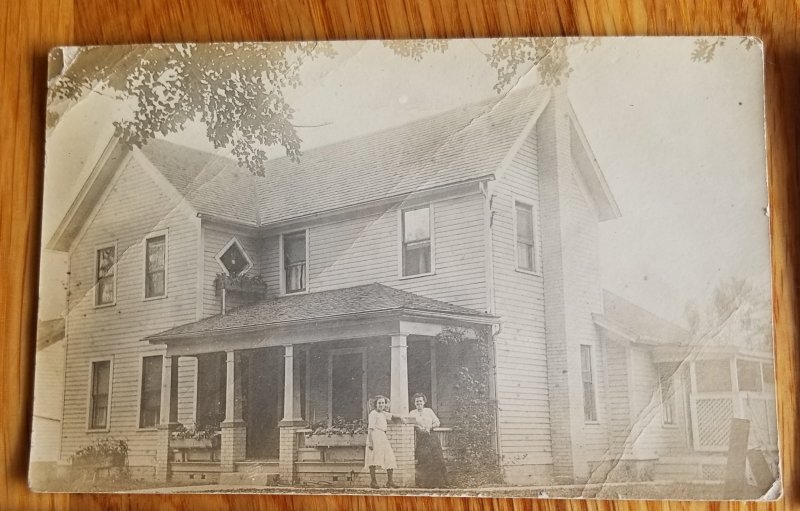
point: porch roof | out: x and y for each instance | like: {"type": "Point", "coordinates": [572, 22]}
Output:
{"type": "Point", "coordinates": [370, 299]}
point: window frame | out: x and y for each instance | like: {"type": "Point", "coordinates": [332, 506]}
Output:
{"type": "Point", "coordinates": [90, 396]}
{"type": "Point", "coordinates": [233, 241]}
{"type": "Point", "coordinates": [281, 261]}
{"type": "Point", "coordinates": [536, 269]}
{"type": "Point", "coordinates": [152, 235]}
{"type": "Point", "coordinates": [141, 391]}
{"type": "Point", "coordinates": [593, 373]}
{"type": "Point", "coordinates": [402, 243]}
{"type": "Point", "coordinates": [670, 400]}
{"type": "Point", "coordinates": [95, 278]}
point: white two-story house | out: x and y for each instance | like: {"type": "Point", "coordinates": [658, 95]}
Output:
{"type": "Point", "coordinates": [483, 219]}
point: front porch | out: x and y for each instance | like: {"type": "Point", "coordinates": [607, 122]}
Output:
{"type": "Point", "coordinates": [273, 385]}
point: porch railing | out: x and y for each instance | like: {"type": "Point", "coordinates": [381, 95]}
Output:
{"type": "Point", "coordinates": [443, 434]}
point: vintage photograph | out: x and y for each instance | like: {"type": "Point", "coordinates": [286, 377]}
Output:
{"type": "Point", "coordinates": [531, 267]}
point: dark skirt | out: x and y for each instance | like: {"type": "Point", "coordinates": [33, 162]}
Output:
{"type": "Point", "coordinates": [431, 472]}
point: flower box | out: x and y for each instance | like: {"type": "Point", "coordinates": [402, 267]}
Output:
{"type": "Point", "coordinates": [254, 285]}
{"type": "Point", "coordinates": [357, 440]}
{"type": "Point", "coordinates": [193, 443]}
{"type": "Point", "coordinates": [100, 461]}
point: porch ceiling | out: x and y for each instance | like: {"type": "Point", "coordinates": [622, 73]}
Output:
{"type": "Point", "coordinates": [355, 312]}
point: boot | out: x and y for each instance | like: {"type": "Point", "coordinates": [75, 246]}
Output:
{"type": "Point", "coordinates": [373, 481]}
{"type": "Point", "coordinates": [389, 482]}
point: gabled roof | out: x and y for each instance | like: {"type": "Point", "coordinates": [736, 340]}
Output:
{"type": "Point", "coordinates": [636, 323]}
{"type": "Point", "coordinates": [322, 305]}
{"type": "Point", "coordinates": [466, 144]}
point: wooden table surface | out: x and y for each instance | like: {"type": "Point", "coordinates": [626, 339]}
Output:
{"type": "Point", "coordinates": [30, 27]}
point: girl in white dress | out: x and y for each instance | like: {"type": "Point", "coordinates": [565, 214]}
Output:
{"type": "Point", "coordinates": [379, 451]}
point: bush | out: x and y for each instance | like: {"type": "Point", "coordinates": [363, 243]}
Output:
{"type": "Point", "coordinates": [105, 452]}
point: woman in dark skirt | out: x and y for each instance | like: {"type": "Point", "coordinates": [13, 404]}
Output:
{"type": "Point", "coordinates": [431, 472]}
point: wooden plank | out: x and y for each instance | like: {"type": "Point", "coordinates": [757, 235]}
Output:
{"type": "Point", "coordinates": [31, 27]}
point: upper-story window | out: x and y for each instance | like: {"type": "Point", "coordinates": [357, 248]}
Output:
{"type": "Point", "coordinates": [417, 250]}
{"type": "Point", "coordinates": [524, 229]}
{"type": "Point", "coordinates": [155, 284]}
{"type": "Point", "coordinates": [105, 276]}
{"type": "Point", "coordinates": [295, 257]}
{"type": "Point", "coordinates": [233, 259]}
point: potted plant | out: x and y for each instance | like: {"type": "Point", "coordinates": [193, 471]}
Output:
{"type": "Point", "coordinates": [104, 453]}
{"type": "Point", "coordinates": [340, 433]}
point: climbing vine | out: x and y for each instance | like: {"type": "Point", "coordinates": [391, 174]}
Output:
{"type": "Point", "coordinates": [474, 461]}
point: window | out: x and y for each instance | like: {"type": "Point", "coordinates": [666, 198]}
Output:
{"type": "Point", "coordinates": [667, 397]}
{"type": "Point", "coordinates": [749, 375]}
{"type": "Point", "coordinates": [150, 404]}
{"type": "Point", "coordinates": [416, 230]}
{"type": "Point", "coordinates": [587, 376]}
{"type": "Point", "coordinates": [100, 390]}
{"type": "Point", "coordinates": [524, 234]}
{"type": "Point", "coordinates": [105, 278]}
{"type": "Point", "coordinates": [155, 267]}
{"type": "Point", "coordinates": [233, 259]}
{"type": "Point", "coordinates": [295, 275]}
{"type": "Point", "coordinates": [713, 375]}
{"type": "Point", "coordinates": [768, 374]}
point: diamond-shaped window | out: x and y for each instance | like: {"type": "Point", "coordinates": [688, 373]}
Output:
{"type": "Point", "coordinates": [234, 259]}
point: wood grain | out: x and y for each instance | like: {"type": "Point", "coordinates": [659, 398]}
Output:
{"type": "Point", "coordinates": [30, 27]}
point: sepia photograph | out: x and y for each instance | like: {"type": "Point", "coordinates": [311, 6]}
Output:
{"type": "Point", "coordinates": [526, 267]}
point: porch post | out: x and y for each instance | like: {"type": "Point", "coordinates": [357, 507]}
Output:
{"type": "Point", "coordinates": [234, 433]}
{"type": "Point", "coordinates": [399, 375]}
{"type": "Point", "coordinates": [291, 423]}
{"type": "Point", "coordinates": [167, 418]}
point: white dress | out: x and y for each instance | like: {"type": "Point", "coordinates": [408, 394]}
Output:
{"type": "Point", "coordinates": [381, 454]}
{"type": "Point", "coordinates": [426, 418]}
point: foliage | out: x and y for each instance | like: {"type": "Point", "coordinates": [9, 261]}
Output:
{"type": "Point", "coordinates": [471, 443]}
{"type": "Point", "coordinates": [705, 49]}
{"type": "Point", "coordinates": [101, 451]}
{"type": "Point", "coordinates": [246, 283]}
{"type": "Point", "coordinates": [340, 426]}
{"type": "Point", "coordinates": [236, 90]}
{"type": "Point", "coordinates": [547, 54]}
{"type": "Point", "coordinates": [181, 432]}
{"type": "Point", "coordinates": [738, 314]}
{"type": "Point", "coordinates": [416, 48]}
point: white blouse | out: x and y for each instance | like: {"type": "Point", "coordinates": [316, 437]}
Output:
{"type": "Point", "coordinates": [426, 418]}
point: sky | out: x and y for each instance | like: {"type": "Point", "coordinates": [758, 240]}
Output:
{"type": "Point", "coordinates": [681, 144]}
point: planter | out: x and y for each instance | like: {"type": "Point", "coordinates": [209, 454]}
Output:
{"type": "Point", "coordinates": [101, 461]}
{"type": "Point", "coordinates": [241, 284]}
{"type": "Point", "coordinates": [359, 440]}
{"type": "Point", "coordinates": [192, 443]}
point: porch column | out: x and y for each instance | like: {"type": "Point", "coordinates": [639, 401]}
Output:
{"type": "Point", "coordinates": [167, 416]}
{"type": "Point", "coordinates": [291, 423]}
{"type": "Point", "coordinates": [234, 434]}
{"type": "Point", "coordinates": [399, 375]}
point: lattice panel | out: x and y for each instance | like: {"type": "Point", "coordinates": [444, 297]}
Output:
{"type": "Point", "coordinates": [713, 472]}
{"type": "Point", "coordinates": [713, 421]}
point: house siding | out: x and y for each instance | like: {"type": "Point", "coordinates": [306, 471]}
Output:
{"type": "Point", "coordinates": [214, 239]}
{"type": "Point", "coordinates": [135, 206]}
{"type": "Point", "coordinates": [48, 392]}
{"type": "Point", "coordinates": [520, 349]}
{"type": "Point", "coordinates": [366, 249]}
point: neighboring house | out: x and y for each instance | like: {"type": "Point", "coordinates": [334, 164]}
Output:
{"type": "Point", "coordinates": [483, 218]}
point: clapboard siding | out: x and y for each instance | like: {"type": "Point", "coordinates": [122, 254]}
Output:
{"type": "Point", "coordinates": [48, 394]}
{"type": "Point", "coordinates": [214, 240]}
{"type": "Point", "coordinates": [520, 351]}
{"type": "Point", "coordinates": [366, 249]}
{"type": "Point", "coordinates": [653, 438]}
{"type": "Point", "coordinates": [583, 298]}
{"type": "Point", "coordinates": [134, 207]}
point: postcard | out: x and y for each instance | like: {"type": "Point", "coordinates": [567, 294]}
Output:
{"type": "Point", "coordinates": [533, 267]}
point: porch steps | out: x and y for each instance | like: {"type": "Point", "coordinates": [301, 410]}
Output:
{"type": "Point", "coordinates": [257, 473]}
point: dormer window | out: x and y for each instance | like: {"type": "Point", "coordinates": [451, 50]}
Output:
{"type": "Point", "coordinates": [295, 255]}
{"type": "Point", "coordinates": [233, 259]}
